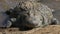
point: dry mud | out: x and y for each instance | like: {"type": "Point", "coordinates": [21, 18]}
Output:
{"type": "Point", "coordinates": [51, 29]}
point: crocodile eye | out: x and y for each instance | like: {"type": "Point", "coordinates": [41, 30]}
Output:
{"type": "Point", "coordinates": [8, 12]}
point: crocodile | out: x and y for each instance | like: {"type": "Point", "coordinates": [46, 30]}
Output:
{"type": "Point", "coordinates": [32, 13]}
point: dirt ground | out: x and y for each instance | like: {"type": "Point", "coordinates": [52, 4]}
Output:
{"type": "Point", "coordinates": [51, 29]}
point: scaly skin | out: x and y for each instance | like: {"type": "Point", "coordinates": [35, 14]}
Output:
{"type": "Point", "coordinates": [33, 14]}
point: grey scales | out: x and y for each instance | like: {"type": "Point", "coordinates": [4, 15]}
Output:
{"type": "Point", "coordinates": [32, 14]}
